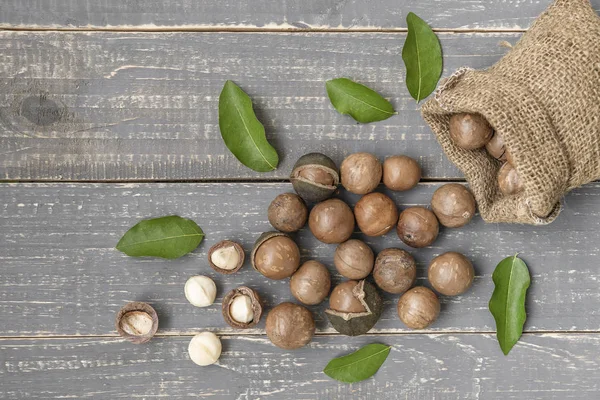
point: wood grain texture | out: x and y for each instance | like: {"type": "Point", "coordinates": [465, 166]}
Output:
{"type": "Point", "coordinates": [284, 14]}
{"type": "Point", "coordinates": [449, 367]}
{"type": "Point", "coordinates": [62, 276]}
{"type": "Point", "coordinates": [126, 106]}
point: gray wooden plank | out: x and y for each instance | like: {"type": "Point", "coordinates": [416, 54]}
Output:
{"type": "Point", "coordinates": [122, 106]}
{"type": "Point", "coordinates": [465, 367]}
{"type": "Point", "coordinates": [62, 276]}
{"type": "Point", "coordinates": [285, 14]}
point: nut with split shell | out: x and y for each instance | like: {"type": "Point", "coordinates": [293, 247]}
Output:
{"type": "Point", "coordinates": [242, 308]}
{"type": "Point", "coordinates": [354, 307]}
{"type": "Point", "coordinates": [315, 177]}
{"type": "Point", "coordinates": [275, 255]}
{"type": "Point", "coordinates": [137, 322]}
{"type": "Point", "coordinates": [226, 257]}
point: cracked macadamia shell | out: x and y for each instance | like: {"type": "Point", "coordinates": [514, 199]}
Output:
{"type": "Point", "coordinates": [376, 214]}
{"type": "Point", "coordinates": [226, 257]}
{"type": "Point", "coordinates": [418, 308]}
{"type": "Point", "coordinates": [288, 213]}
{"type": "Point", "coordinates": [311, 283]}
{"type": "Point", "coordinates": [354, 259]}
{"type": "Point", "coordinates": [401, 173]}
{"type": "Point", "coordinates": [470, 131]}
{"type": "Point", "coordinates": [508, 180]}
{"type": "Point", "coordinates": [451, 273]}
{"type": "Point", "coordinates": [395, 270]}
{"type": "Point", "coordinates": [361, 173]}
{"type": "Point", "coordinates": [250, 305]}
{"type": "Point", "coordinates": [137, 322]}
{"type": "Point", "coordinates": [453, 205]}
{"type": "Point", "coordinates": [331, 221]}
{"type": "Point", "coordinates": [290, 326]}
{"type": "Point", "coordinates": [315, 177]}
{"type": "Point", "coordinates": [275, 255]}
{"type": "Point", "coordinates": [354, 307]}
{"type": "Point", "coordinates": [417, 227]}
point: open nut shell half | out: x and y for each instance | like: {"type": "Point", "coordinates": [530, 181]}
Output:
{"type": "Point", "coordinates": [256, 307]}
{"type": "Point", "coordinates": [222, 244]}
{"type": "Point", "coordinates": [133, 315]}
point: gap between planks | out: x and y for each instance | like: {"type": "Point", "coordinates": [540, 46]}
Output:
{"type": "Point", "coordinates": [221, 180]}
{"type": "Point", "coordinates": [320, 334]}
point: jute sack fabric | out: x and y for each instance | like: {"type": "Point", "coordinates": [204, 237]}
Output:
{"type": "Point", "coordinates": [543, 98]}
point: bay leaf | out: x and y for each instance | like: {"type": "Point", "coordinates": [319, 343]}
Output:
{"type": "Point", "coordinates": [358, 366]}
{"type": "Point", "coordinates": [422, 55]}
{"type": "Point", "coordinates": [243, 133]}
{"type": "Point", "coordinates": [360, 102]}
{"type": "Point", "coordinates": [165, 237]}
{"type": "Point", "coordinates": [507, 305]}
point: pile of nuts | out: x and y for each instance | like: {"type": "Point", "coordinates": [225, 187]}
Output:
{"type": "Point", "coordinates": [472, 132]}
{"type": "Point", "coordinates": [355, 305]}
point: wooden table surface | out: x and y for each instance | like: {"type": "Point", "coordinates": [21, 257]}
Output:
{"type": "Point", "coordinates": [108, 115]}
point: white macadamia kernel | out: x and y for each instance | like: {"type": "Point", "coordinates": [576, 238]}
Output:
{"type": "Point", "coordinates": [205, 348]}
{"type": "Point", "coordinates": [136, 323]}
{"type": "Point", "coordinates": [200, 291]}
{"type": "Point", "coordinates": [226, 258]}
{"type": "Point", "coordinates": [241, 309]}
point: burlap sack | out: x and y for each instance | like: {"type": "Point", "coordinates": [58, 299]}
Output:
{"type": "Point", "coordinates": [543, 97]}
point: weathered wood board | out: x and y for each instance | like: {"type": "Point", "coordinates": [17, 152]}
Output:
{"type": "Point", "coordinates": [453, 367]}
{"type": "Point", "coordinates": [134, 106]}
{"type": "Point", "coordinates": [62, 276]}
{"type": "Point", "coordinates": [264, 14]}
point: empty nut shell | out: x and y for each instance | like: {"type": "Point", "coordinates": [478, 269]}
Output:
{"type": "Point", "coordinates": [354, 307]}
{"type": "Point", "coordinates": [288, 213]}
{"type": "Point", "coordinates": [376, 214]}
{"type": "Point", "coordinates": [226, 257]}
{"type": "Point", "coordinates": [255, 304]}
{"type": "Point", "coordinates": [453, 205]}
{"type": "Point", "coordinates": [361, 173]}
{"type": "Point", "coordinates": [395, 270]}
{"type": "Point", "coordinates": [417, 227]}
{"type": "Point", "coordinates": [137, 322]}
{"type": "Point", "coordinates": [354, 259]}
{"type": "Point", "coordinates": [418, 308]}
{"type": "Point", "coordinates": [275, 255]}
{"type": "Point", "coordinates": [315, 177]}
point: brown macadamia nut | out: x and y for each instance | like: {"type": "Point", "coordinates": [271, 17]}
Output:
{"type": "Point", "coordinates": [354, 307]}
{"type": "Point", "coordinates": [288, 213]}
{"type": "Point", "coordinates": [417, 227]}
{"type": "Point", "coordinates": [470, 131]}
{"type": "Point", "coordinates": [496, 148]}
{"type": "Point", "coordinates": [315, 177]}
{"type": "Point", "coordinates": [451, 273]}
{"type": "Point", "coordinates": [290, 326]}
{"type": "Point", "coordinates": [508, 180]}
{"type": "Point", "coordinates": [311, 283]}
{"type": "Point", "coordinates": [376, 214]}
{"type": "Point", "coordinates": [453, 205]}
{"type": "Point", "coordinates": [354, 259]}
{"type": "Point", "coordinates": [361, 173]}
{"type": "Point", "coordinates": [395, 270]}
{"type": "Point", "coordinates": [275, 255]}
{"type": "Point", "coordinates": [418, 308]}
{"type": "Point", "coordinates": [331, 221]}
{"type": "Point", "coordinates": [401, 173]}
{"type": "Point", "coordinates": [226, 257]}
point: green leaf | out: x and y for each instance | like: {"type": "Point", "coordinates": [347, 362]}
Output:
{"type": "Point", "coordinates": [242, 132]}
{"type": "Point", "coordinates": [358, 366]}
{"type": "Point", "coordinates": [507, 304]}
{"type": "Point", "coordinates": [164, 237]}
{"type": "Point", "coordinates": [422, 55]}
{"type": "Point", "coordinates": [360, 102]}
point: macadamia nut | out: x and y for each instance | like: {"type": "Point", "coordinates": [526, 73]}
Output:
{"type": "Point", "coordinates": [205, 348]}
{"type": "Point", "coordinates": [241, 309]}
{"type": "Point", "coordinates": [200, 291]}
{"type": "Point", "coordinates": [225, 258]}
